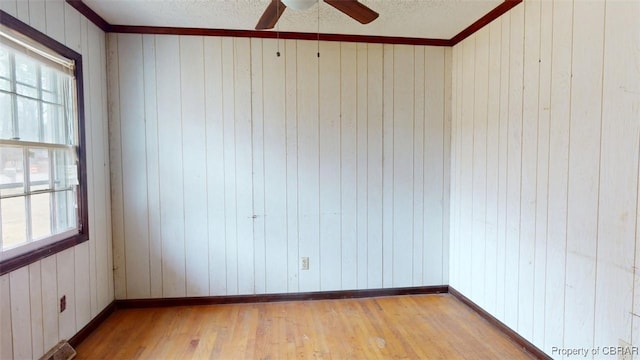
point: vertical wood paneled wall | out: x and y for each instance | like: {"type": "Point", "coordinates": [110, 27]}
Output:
{"type": "Point", "coordinates": [544, 188]}
{"type": "Point", "coordinates": [30, 323]}
{"type": "Point", "coordinates": [229, 164]}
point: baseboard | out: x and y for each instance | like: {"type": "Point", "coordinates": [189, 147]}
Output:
{"type": "Point", "coordinates": [305, 296]}
{"type": "Point", "coordinates": [243, 299]}
{"type": "Point", "coordinates": [92, 325]}
{"type": "Point", "coordinates": [514, 336]}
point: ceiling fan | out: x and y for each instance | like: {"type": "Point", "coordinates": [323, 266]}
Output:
{"type": "Point", "coordinates": [352, 8]}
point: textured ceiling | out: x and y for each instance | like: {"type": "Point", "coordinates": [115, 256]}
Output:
{"type": "Point", "coordinates": [436, 19]}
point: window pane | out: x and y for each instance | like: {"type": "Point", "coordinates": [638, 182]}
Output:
{"type": "Point", "coordinates": [65, 210]}
{"type": "Point", "coordinates": [65, 169]}
{"type": "Point", "coordinates": [28, 119]}
{"type": "Point", "coordinates": [4, 62]}
{"type": "Point", "coordinates": [53, 122]}
{"type": "Point", "coordinates": [26, 71]}
{"type": "Point", "coordinates": [6, 125]}
{"type": "Point", "coordinates": [11, 171]}
{"type": "Point", "coordinates": [50, 85]}
{"type": "Point", "coordinates": [40, 216]}
{"type": "Point", "coordinates": [4, 70]}
{"type": "Point", "coordinates": [39, 169]}
{"type": "Point", "coordinates": [14, 224]}
{"type": "Point", "coordinates": [5, 85]}
{"type": "Point", "coordinates": [26, 90]}
{"type": "Point", "coordinates": [50, 97]}
{"type": "Point", "coordinates": [69, 112]}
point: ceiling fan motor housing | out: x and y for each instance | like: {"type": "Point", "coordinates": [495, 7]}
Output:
{"type": "Point", "coordinates": [352, 8]}
{"type": "Point", "coordinates": [299, 4]}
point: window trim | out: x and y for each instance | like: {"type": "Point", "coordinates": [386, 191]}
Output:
{"type": "Point", "coordinates": [30, 257]}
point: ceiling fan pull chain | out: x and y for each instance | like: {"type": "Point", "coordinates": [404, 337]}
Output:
{"type": "Point", "coordinates": [318, 38]}
{"type": "Point", "coordinates": [278, 31]}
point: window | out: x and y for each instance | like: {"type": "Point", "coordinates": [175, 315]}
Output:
{"type": "Point", "coordinates": [43, 206]}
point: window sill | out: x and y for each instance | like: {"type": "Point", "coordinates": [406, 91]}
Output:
{"type": "Point", "coordinates": [19, 261]}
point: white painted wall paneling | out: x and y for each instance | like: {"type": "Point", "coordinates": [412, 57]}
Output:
{"type": "Point", "coordinates": [215, 162]}
{"type": "Point", "coordinates": [542, 175]}
{"type": "Point", "coordinates": [258, 166]}
{"type": "Point", "coordinates": [353, 76]}
{"type": "Point", "coordinates": [244, 169]}
{"type": "Point", "coordinates": [562, 101]}
{"type": "Point", "coordinates": [619, 180]}
{"type": "Point", "coordinates": [503, 127]}
{"type": "Point", "coordinates": [375, 170]}
{"type": "Point", "coordinates": [435, 156]}
{"type": "Point", "coordinates": [195, 160]}
{"type": "Point", "coordinates": [529, 154]}
{"type": "Point", "coordinates": [329, 167]}
{"type": "Point", "coordinates": [291, 118]}
{"type": "Point", "coordinates": [584, 170]}
{"type": "Point", "coordinates": [479, 163]}
{"type": "Point", "coordinates": [558, 172]}
{"type": "Point", "coordinates": [274, 158]}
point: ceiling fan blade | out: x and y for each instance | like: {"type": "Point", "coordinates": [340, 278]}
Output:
{"type": "Point", "coordinates": [354, 9]}
{"type": "Point", "coordinates": [271, 15]}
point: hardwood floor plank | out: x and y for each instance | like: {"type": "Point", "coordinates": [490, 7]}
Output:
{"type": "Point", "coordinates": [414, 326]}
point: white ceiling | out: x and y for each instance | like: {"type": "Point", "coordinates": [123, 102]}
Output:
{"type": "Point", "coordinates": [436, 19]}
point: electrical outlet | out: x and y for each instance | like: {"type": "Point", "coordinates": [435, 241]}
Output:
{"type": "Point", "coordinates": [63, 303]}
{"type": "Point", "coordinates": [304, 263]}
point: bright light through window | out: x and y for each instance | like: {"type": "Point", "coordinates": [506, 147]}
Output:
{"type": "Point", "coordinates": [39, 182]}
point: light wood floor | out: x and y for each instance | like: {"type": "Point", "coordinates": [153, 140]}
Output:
{"type": "Point", "coordinates": [413, 327]}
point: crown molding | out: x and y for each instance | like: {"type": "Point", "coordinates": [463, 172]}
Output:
{"type": "Point", "coordinates": [484, 21]}
{"type": "Point", "coordinates": [159, 30]}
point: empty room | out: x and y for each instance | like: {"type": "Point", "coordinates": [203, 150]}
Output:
{"type": "Point", "coordinates": [273, 179]}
